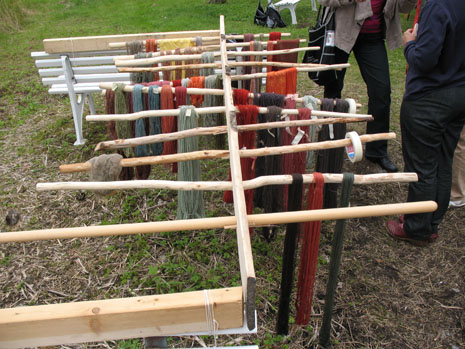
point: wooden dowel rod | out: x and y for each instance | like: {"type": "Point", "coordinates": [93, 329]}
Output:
{"type": "Point", "coordinates": [299, 70]}
{"type": "Point", "coordinates": [215, 130]}
{"type": "Point", "coordinates": [190, 90]}
{"type": "Point", "coordinates": [170, 58]}
{"type": "Point", "coordinates": [201, 48]}
{"type": "Point", "coordinates": [224, 154]}
{"type": "Point", "coordinates": [211, 110]}
{"type": "Point", "coordinates": [219, 222]}
{"type": "Point", "coordinates": [115, 45]}
{"type": "Point", "coordinates": [224, 185]}
{"type": "Point", "coordinates": [217, 66]}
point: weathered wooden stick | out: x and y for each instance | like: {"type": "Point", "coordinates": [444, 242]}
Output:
{"type": "Point", "coordinates": [201, 48]}
{"type": "Point", "coordinates": [224, 154]}
{"type": "Point", "coordinates": [116, 45]}
{"type": "Point", "coordinates": [218, 65]}
{"type": "Point", "coordinates": [171, 58]}
{"type": "Point", "coordinates": [223, 185]}
{"type": "Point", "coordinates": [246, 265]}
{"type": "Point", "coordinates": [190, 90]}
{"type": "Point", "coordinates": [212, 110]}
{"type": "Point", "coordinates": [215, 130]}
{"type": "Point", "coordinates": [299, 70]}
{"type": "Point", "coordinates": [256, 220]}
{"type": "Point", "coordinates": [120, 318]}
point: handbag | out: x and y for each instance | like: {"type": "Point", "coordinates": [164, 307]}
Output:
{"type": "Point", "coordinates": [270, 17]}
{"type": "Point", "coordinates": [322, 34]}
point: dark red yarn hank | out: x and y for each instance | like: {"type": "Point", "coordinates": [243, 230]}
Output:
{"type": "Point", "coordinates": [247, 115]}
{"type": "Point", "coordinates": [274, 36]}
{"type": "Point", "coordinates": [309, 253]}
{"type": "Point", "coordinates": [169, 124]}
{"type": "Point", "coordinates": [294, 162]}
{"type": "Point", "coordinates": [240, 96]}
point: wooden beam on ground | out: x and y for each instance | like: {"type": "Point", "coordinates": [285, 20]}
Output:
{"type": "Point", "coordinates": [123, 318]}
{"type": "Point", "coordinates": [255, 220]}
{"type": "Point", "coordinates": [242, 231]}
{"type": "Point", "coordinates": [101, 43]}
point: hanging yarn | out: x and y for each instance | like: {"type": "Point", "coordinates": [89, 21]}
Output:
{"type": "Point", "coordinates": [192, 71]}
{"type": "Point", "coordinates": [256, 84]}
{"type": "Point", "coordinates": [196, 82]}
{"type": "Point", "coordinates": [142, 172]}
{"type": "Point", "coordinates": [240, 96]}
{"type": "Point", "coordinates": [210, 101]}
{"type": "Point", "coordinates": [123, 127]}
{"type": "Point", "coordinates": [207, 57]}
{"type": "Point", "coordinates": [127, 173]}
{"type": "Point", "coordinates": [282, 82]}
{"type": "Point", "coordinates": [288, 57]}
{"type": "Point", "coordinates": [105, 168]}
{"type": "Point", "coordinates": [190, 202]}
{"type": "Point", "coordinates": [289, 250]}
{"type": "Point", "coordinates": [311, 103]}
{"type": "Point", "coordinates": [309, 253]}
{"type": "Point", "coordinates": [247, 116]}
{"type": "Point", "coordinates": [268, 197]}
{"type": "Point", "coordinates": [221, 138]}
{"type": "Point", "coordinates": [269, 99]}
{"type": "Point", "coordinates": [168, 123]}
{"type": "Point", "coordinates": [155, 122]}
{"type": "Point", "coordinates": [136, 48]}
{"type": "Point", "coordinates": [166, 46]}
{"type": "Point", "coordinates": [274, 36]}
{"type": "Point", "coordinates": [247, 69]}
{"type": "Point", "coordinates": [331, 160]}
{"type": "Point", "coordinates": [180, 96]}
{"type": "Point", "coordinates": [335, 263]}
{"type": "Point", "coordinates": [150, 45]}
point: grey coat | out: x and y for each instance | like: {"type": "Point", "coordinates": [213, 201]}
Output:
{"type": "Point", "coordinates": [351, 14]}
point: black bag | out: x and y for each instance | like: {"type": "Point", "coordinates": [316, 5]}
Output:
{"type": "Point", "coordinates": [322, 35]}
{"type": "Point", "coordinates": [271, 17]}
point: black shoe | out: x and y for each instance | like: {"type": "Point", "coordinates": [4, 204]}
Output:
{"type": "Point", "coordinates": [384, 162]}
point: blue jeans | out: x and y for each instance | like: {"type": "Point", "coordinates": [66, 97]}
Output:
{"type": "Point", "coordinates": [431, 126]}
{"type": "Point", "coordinates": [370, 53]}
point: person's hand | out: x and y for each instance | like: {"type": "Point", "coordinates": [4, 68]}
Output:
{"type": "Point", "coordinates": [409, 35]}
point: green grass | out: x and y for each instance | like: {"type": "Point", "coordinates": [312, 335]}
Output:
{"type": "Point", "coordinates": [23, 97]}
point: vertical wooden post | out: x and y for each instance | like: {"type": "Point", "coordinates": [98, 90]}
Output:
{"type": "Point", "coordinates": [242, 229]}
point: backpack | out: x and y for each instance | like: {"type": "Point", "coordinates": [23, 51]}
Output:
{"type": "Point", "coordinates": [269, 17]}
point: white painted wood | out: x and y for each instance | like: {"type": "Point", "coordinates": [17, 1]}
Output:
{"type": "Point", "coordinates": [80, 79]}
{"type": "Point", "coordinates": [101, 69]}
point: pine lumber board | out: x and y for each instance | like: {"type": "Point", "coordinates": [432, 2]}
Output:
{"type": "Point", "coordinates": [122, 318]}
{"type": "Point", "coordinates": [101, 43]}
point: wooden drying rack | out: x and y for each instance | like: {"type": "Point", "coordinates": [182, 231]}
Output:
{"type": "Point", "coordinates": [172, 314]}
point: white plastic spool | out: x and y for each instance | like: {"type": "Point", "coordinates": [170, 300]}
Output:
{"type": "Point", "coordinates": [352, 105]}
{"type": "Point", "coordinates": [355, 150]}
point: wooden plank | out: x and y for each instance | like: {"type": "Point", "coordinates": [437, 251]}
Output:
{"type": "Point", "coordinates": [242, 225]}
{"type": "Point", "coordinates": [157, 315]}
{"type": "Point", "coordinates": [101, 43]}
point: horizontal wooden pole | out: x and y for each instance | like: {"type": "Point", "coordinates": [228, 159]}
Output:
{"type": "Point", "coordinates": [224, 154]}
{"type": "Point", "coordinates": [216, 66]}
{"type": "Point", "coordinates": [299, 70]}
{"type": "Point", "coordinates": [216, 130]}
{"type": "Point", "coordinates": [123, 318]}
{"type": "Point", "coordinates": [212, 110]}
{"type": "Point", "coordinates": [223, 185]}
{"type": "Point", "coordinates": [175, 57]}
{"type": "Point", "coordinates": [189, 91]}
{"type": "Point", "coordinates": [256, 220]}
{"type": "Point", "coordinates": [202, 48]}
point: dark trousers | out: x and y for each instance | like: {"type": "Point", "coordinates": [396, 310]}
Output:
{"type": "Point", "coordinates": [431, 127]}
{"type": "Point", "coordinates": [370, 53]}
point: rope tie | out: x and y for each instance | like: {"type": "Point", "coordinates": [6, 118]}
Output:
{"type": "Point", "coordinates": [212, 324]}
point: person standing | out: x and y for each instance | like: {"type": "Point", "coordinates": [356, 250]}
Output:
{"type": "Point", "coordinates": [457, 193]}
{"type": "Point", "coordinates": [364, 26]}
{"type": "Point", "coordinates": [432, 113]}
